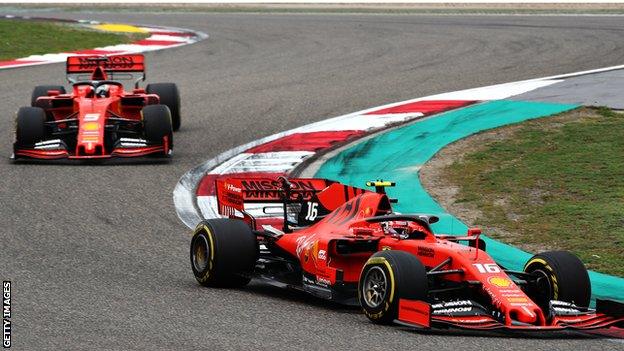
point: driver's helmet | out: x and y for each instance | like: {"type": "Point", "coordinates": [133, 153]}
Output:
{"type": "Point", "coordinates": [102, 91]}
{"type": "Point", "coordinates": [89, 91]}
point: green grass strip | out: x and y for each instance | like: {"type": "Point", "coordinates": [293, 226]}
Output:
{"type": "Point", "coordinates": [22, 38]}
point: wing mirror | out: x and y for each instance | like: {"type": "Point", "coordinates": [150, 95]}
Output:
{"type": "Point", "coordinates": [474, 231]}
{"type": "Point", "coordinates": [429, 218]}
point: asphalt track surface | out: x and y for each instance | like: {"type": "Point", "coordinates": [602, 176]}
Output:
{"type": "Point", "coordinates": [96, 254]}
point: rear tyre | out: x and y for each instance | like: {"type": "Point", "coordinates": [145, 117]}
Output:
{"type": "Point", "coordinates": [560, 276]}
{"type": "Point", "coordinates": [30, 126]}
{"type": "Point", "coordinates": [42, 90]}
{"type": "Point", "coordinates": [387, 277]}
{"type": "Point", "coordinates": [157, 124]}
{"type": "Point", "coordinates": [223, 253]}
{"type": "Point", "coordinates": [170, 96]}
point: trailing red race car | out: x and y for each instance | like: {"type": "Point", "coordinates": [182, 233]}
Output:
{"type": "Point", "coordinates": [346, 244]}
{"type": "Point", "coordinates": [99, 118]}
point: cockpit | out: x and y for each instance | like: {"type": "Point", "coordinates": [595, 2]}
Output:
{"type": "Point", "coordinates": [97, 89]}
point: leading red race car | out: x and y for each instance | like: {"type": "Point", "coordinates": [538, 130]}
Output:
{"type": "Point", "coordinates": [346, 244]}
{"type": "Point", "coordinates": [99, 118]}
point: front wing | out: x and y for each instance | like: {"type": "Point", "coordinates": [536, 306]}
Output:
{"type": "Point", "coordinates": [56, 149]}
{"type": "Point", "coordinates": [421, 315]}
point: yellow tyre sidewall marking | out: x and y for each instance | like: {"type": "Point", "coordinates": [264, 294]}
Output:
{"type": "Point", "coordinates": [553, 278]}
{"type": "Point", "coordinates": [208, 234]}
{"type": "Point", "coordinates": [376, 261]}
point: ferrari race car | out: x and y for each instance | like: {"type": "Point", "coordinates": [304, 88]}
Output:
{"type": "Point", "coordinates": [346, 244]}
{"type": "Point", "coordinates": [99, 118]}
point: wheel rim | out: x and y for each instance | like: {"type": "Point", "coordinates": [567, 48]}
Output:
{"type": "Point", "coordinates": [375, 287]}
{"type": "Point", "coordinates": [544, 289]}
{"type": "Point", "coordinates": [200, 253]}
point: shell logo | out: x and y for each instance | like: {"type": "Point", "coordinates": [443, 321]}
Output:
{"type": "Point", "coordinates": [499, 281]}
{"type": "Point", "coordinates": [517, 299]}
{"type": "Point", "coordinates": [314, 249]}
{"type": "Point", "coordinates": [90, 126]}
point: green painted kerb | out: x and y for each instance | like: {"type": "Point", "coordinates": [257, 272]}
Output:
{"type": "Point", "coordinates": [398, 154]}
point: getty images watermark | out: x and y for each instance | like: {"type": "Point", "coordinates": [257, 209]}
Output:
{"type": "Point", "coordinates": [6, 314]}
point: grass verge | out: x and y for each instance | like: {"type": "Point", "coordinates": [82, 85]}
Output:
{"type": "Point", "coordinates": [19, 38]}
{"type": "Point", "coordinates": [551, 183]}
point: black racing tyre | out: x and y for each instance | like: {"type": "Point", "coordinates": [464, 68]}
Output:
{"type": "Point", "coordinates": [560, 276]}
{"type": "Point", "coordinates": [170, 96]}
{"type": "Point", "coordinates": [223, 253]}
{"type": "Point", "coordinates": [42, 90]}
{"type": "Point", "coordinates": [157, 123]}
{"type": "Point", "coordinates": [30, 126]}
{"type": "Point", "coordinates": [388, 276]}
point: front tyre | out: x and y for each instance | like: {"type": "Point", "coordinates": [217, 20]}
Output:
{"type": "Point", "coordinates": [387, 277]}
{"type": "Point", "coordinates": [560, 275]}
{"type": "Point", "coordinates": [169, 96]}
{"type": "Point", "coordinates": [223, 253]}
{"type": "Point", "coordinates": [30, 126]}
{"type": "Point", "coordinates": [157, 124]}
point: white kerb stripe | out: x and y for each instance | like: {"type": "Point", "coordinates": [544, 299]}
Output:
{"type": "Point", "coordinates": [208, 206]}
{"type": "Point", "coordinates": [280, 161]}
{"type": "Point", "coordinates": [494, 92]}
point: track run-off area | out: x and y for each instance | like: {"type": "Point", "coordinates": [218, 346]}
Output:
{"type": "Point", "coordinates": [96, 253]}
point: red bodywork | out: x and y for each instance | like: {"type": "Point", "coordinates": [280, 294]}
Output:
{"type": "Point", "coordinates": [83, 119]}
{"type": "Point", "coordinates": [333, 248]}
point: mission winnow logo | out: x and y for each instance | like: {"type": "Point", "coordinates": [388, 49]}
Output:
{"type": "Point", "coordinates": [6, 314]}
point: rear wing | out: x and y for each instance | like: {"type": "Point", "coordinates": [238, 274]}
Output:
{"type": "Point", "coordinates": [116, 67]}
{"type": "Point", "coordinates": [281, 202]}
{"type": "Point", "coordinates": [265, 199]}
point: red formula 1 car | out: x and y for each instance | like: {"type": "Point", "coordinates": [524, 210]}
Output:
{"type": "Point", "coordinates": [346, 244]}
{"type": "Point", "coordinates": [99, 118]}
